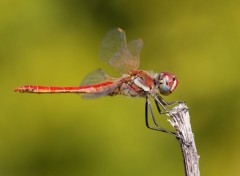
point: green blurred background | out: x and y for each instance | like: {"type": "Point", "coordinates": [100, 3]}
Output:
{"type": "Point", "coordinates": [49, 42]}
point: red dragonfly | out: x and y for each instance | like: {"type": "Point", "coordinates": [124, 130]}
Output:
{"type": "Point", "coordinates": [123, 57]}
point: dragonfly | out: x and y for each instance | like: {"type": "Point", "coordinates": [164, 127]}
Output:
{"type": "Point", "coordinates": [124, 58]}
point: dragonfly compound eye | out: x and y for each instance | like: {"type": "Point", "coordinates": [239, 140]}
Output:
{"type": "Point", "coordinates": [167, 83]}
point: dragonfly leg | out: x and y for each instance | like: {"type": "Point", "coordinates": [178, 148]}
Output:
{"type": "Point", "coordinates": [160, 101]}
{"type": "Point", "coordinates": [164, 102]}
{"type": "Point", "coordinates": [158, 107]}
{"type": "Point", "coordinates": [157, 128]}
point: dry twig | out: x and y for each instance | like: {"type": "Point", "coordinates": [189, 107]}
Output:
{"type": "Point", "coordinates": [180, 120]}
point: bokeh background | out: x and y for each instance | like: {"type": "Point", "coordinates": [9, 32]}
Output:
{"type": "Point", "coordinates": [48, 42]}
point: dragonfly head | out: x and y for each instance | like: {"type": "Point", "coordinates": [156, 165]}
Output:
{"type": "Point", "coordinates": [166, 83]}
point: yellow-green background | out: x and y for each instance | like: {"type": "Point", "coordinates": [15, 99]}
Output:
{"type": "Point", "coordinates": [47, 42]}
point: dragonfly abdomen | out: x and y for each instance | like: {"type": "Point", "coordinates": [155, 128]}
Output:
{"type": "Point", "coordinates": [45, 89]}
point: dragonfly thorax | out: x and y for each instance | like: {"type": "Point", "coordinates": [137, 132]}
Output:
{"type": "Point", "coordinates": [166, 83]}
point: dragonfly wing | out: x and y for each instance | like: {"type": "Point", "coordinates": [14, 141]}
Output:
{"type": "Point", "coordinates": [120, 55]}
{"type": "Point", "coordinates": [127, 59]}
{"type": "Point", "coordinates": [96, 77]}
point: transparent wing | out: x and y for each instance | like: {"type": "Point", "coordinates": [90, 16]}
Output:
{"type": "Point", "coordinates": [122, 56]}
{"type": "Point", "coordinates": [96, 77]}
